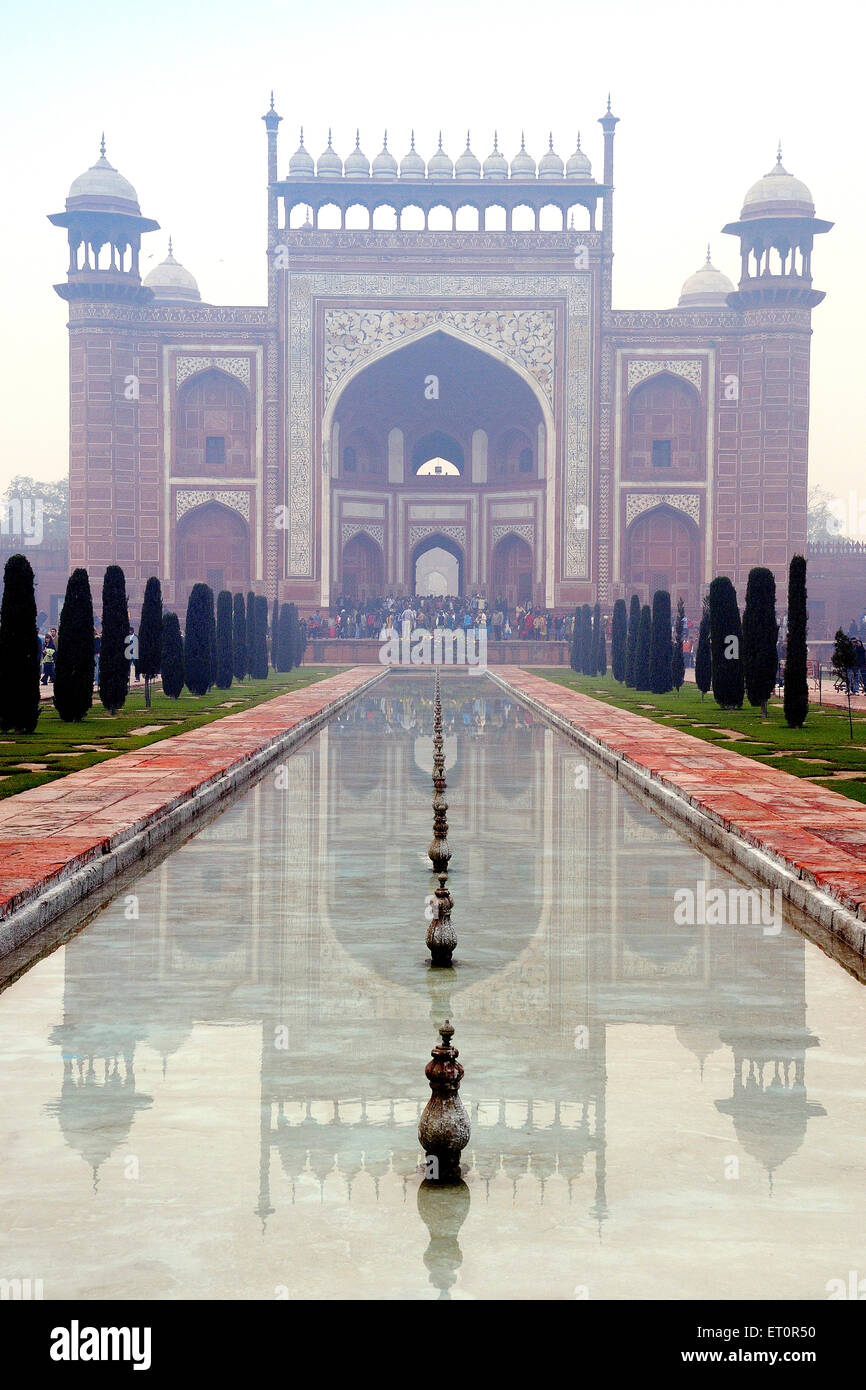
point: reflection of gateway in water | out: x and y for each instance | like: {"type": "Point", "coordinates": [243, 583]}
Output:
{"type": "Point", "coordinates": [276, 913]}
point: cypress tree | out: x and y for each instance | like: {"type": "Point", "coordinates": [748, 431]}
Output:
{"type": "Point", "coordinates": [618, 639]}
{"type": "Point", "coordinates": [678, 661]}
{"type": "Point", "coordinates": [631, 639]}
{"type": "Point", "coordinates": [74, 666]}
{"type": "Point", "coordinates": [260, 642]}
{"type": "Point", "coordinates": [197, 655]}
{"type": "Point", "coordinates": [275, 633]}
{"type": "Point", "coordinates": [283, 645]}
{"type": "Point", "coordinates": [251, 630]}
{"type": "Point", "coordinates": [643, 650]}
{"type": "Point", "coordinates": [726, 644]}
{"type": "Point", "coordinates": [760, 637]}
{"type": "Point", "coordinates": [239, 637]}
{"type": "Point", "coordinates": [703, 654]}
{"type": "Point", "coordinates": [597, 640]}
{"type": "Point", "coordinates": [115, 651]}
{"type": "Point", "coordinates": [660, 649]}
{"type": "Point", "coordinates": [212, 638]}
{"type": "Point", "coordinates": [171, 656]}
{"type": "Point", "coordinates": [150, 636]}
{"type": "Point", "coordinates": [19, 649]}
{"type": "Point", "coordinates": [796, 675]}
{"type": "Point", "coordinates": [601, 653]}
{"type": "Point", "coordinates": [297, 640]}
{"type": "Point", "coordinates": [574, 650]}
{"type": "Point", "coordinates": [224, 640]}
{"type": "Point", "coordinates": [586, 653]}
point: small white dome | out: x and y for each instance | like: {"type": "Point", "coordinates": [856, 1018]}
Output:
{"type": "Point", "coordinates": [522, 165]}
{"type": "Point", "coordinates": [172, 282]}
{"type": "Point", "coordinates": [578, 166]}
{"type": "Point", "coordinates": [301, 165]}
{"type": "Point", "coordinates": [102, 183]}
{"type": "Point", "coordinates": [357, 164]}
{"type": "Point", "coordinates": [550, 166]}
{"type": "Point", "coordinates": [707, 288]}
{"type": "Point", "coordinates": [412, 166]}
{"type": "Point", "coordinates": [496, 165]}
{"type": "Point", "coordinates": [440, 166]}
{"type": "Point", "coordinates": [467, 166]}
{"type": "Point", "coordinates": [385, 165]}
{"type": "Point", "coordinates": [329, 164]}
{"type": "Point", "coordinates": [766, 197]}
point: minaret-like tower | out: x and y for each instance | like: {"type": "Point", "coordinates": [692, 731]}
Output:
{"type": "Point", "coordinates": [763, 386]}
{"type": "Point", "coordinates": [104, 227]}
{"type": "Point", "coordinates": [608, 123]}
{"type": "Point", "coordinates": [114, 447]}
{"type": "Point", "coordinates": [777, 229]}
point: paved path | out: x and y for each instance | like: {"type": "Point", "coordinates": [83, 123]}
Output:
{"type": "Point", "coordinates": [49, 834]}
{"type": "Point", "coordinates": [817, 834]}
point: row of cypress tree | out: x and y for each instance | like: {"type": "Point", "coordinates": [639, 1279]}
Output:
{"type": "Point", "coordinates": [217, 646]}
{"type": "Point", "coordinates": [588, 653]}
{"type": "Point", "coordinates": [737, 657]}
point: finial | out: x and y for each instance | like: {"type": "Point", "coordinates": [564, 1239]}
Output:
{"type": "Point", "coordinates": [708, 253]}
{"type": "Point", "coordinates": [440, 139]}
{"type": "Point", "coordinates": [571, 222]}
{"type": "Point", "coordinates": [550, 141]}
{"type": "Point", "coordinates": [444, 1130]}
{"type": "Point", "coordinates": [102, 145]}
{"type": "Point", "coordinates": [385, 141]}
{"type": "Point", "coordinates": [608, 103]}
{"type": "Point", "coordinates": [412, 142]}
{"type": "Point", "coordinates": [169, 246]}
{"type": "Point", "coordinates": [329, 137]}
{"type": "Point", "coordinates": [272, 98]}
{"type": "Point", "coordinates": [578, 139]}
{"type": "Point", "coordinates": [779, 152]}
{"type": "Point", "coordinates": [302, 137]}
{"type": "Point", "coordinates": [467, 139]}
{"type": "Point", "coordinates": [522, 143]}
{"type": "Point", "coordinates": [496, 142]}
{"type": "Point", "coordinates": [357, 139]}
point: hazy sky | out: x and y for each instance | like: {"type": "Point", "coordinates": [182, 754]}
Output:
{"type": "Point", "coordinates": [704, 91]}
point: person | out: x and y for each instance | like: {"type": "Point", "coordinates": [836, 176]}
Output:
{"type": "Point", "coordinates": [49, 653]}
{"type": "Point", "coordinates": [506, 630]}
{"type": "Point", "coordinates": [860, 664]}
{"type": "Point", "coordinates": [497, 624]}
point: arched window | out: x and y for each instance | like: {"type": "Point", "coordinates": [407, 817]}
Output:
{"type": "Point", "coordinates": [213, 435]}
{"type": "Point", "coordinates": [437, 454]}
{"type": "Point", "coordinates": [526, 460]}
{"type": "Point", "coordinates": [666, 429]}
{"type": "Point", "coordinates": [350, 461]}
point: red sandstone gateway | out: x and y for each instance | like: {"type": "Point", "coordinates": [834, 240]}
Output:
{"type": "Point", "coordinates": [438, 408]}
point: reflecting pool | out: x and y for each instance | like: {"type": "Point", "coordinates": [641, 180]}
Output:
{"type": "Point", "coordinates": [214, 1089]}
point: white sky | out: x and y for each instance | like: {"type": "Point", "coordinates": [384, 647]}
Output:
{"type": "Point", "coordinates": [704, 91]}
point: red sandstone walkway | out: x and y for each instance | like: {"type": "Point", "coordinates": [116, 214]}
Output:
{"type": "Point", "coordinates": [49, 832]}
{"type": "Point", "coordinates": [818, 834]}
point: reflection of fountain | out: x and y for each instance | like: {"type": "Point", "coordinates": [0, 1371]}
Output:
{"type": "Point", "coordinates": [439, 851]}
{"type": "Point", "coordinates": [443, 1211]}
{"type": "Point", "coordinates": [444, 1129]}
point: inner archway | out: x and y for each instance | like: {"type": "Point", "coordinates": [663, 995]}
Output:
{"type": "Point", "coordinates": [512, 570]}
{"type": "Point", "coordinates": [363, 569]}
{"type": "Point", "coordinates": [663, 552]}
{"type": "Point", "coordinates": [213, 547]}
{"type": "Point", "coordinates": [437, 566]}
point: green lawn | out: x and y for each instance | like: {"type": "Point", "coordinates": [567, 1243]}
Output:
{"type": "Point", "coordinates": [822, 747]}
{"type": "Point", "coordinates": [57, 748]}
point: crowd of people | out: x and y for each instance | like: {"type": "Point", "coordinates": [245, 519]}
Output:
{"type": "Point", "coordinates": [380, 618]}
{"type": "Point", "coordinates": [48, 651]}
